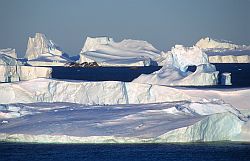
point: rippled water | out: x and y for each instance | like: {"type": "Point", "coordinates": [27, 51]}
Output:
{"type": "Point", "coordinates": [111, 152]}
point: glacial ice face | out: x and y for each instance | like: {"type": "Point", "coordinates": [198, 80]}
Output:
{"type": "Point", "coordinates": [224, 51]}
{"type": "Point", "coordinates": [174, 71]}
{"type": "Point", "coordinates": [11, 70]}
{"type": "Point", "coordinates": [40, 45]}
{"type": "Point", "coordinates": [216, 127]}
{"type": "Point", "coordinates": [106, 52]}
{"type": "Point", "coordinates": [110, 92]}
{"type": "Point", "coordinates": [18, 73]}
{"type": "Point", "coordinates": [229, 58]}
{"type": "Point", "coordinates": [44, 52]}
{"type": "Point", "coordinates": [9, 73]}
{"type": "Point", "coordinates": [226, 79]}
{"type": "Point", "coordinates": [208, 43]}
{"type": "Point", "coordinates": [181, 57]}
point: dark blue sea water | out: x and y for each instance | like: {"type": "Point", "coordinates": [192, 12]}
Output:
{"type": "Point", "coordinates": [240, 73]}
{"type": "Point", "coordinates": [222, 151]}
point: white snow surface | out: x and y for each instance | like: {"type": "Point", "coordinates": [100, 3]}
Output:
{"type": "Point", "coordinates": [224, 51]}
{"type": "Point", "coordinates": [208, 43]}
{"type": "Point", "coordinates": [106, 52]}
{"type": "Point", "coordinates": [131, 123]}
{"type": "Point", "coordinates": [43, 52]}
{"type": "Point", "coordinates": [174, 71]}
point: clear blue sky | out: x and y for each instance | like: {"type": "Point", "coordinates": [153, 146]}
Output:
{"type": "Point", "coordinates": [160, 22]}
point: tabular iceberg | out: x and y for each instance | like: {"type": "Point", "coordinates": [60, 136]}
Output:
{"type": "Point", "coordinates": [106, 52]}
{"type": "Point", "coordinates": [224, 51]}
{"type": "Point", "coordinates": [174, 71]}
{"type": "Point", "coordinates": [147, 123]}
{"type": "Point", "coordinates": [44, 52]}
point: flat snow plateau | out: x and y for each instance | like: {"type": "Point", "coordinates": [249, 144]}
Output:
{"type": "Point", "coordinates": [53, 111]}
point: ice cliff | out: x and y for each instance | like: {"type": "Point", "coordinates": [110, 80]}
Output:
{"type": "Point", "coordinates": [43, 52]}
{"type": "Point", "coordinates": [106, 52]}
{"type": "Point", "coordinates": [224, 51]}
{"type": "Point", "coordinates": [11, 70]}
{"type": "Point", "coordinates": [175, 69]}
{"type": "Point", "coordinates": [110, 92]}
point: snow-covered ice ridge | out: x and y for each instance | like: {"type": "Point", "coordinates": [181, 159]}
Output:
{"type": "Point", "coordinates": [174, 71]}
{"type": "Point", "coordinates": [134, 123]}
{"type": "Point", "coordinates": [44, 52]}
{"type": "Point", "coordinates": [224, 51]}
{"type": "Point", "coordinates": [106, 52]}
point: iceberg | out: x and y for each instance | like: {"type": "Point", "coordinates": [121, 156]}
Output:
{"type": "Point", "coordinates": [53, 111]}
{"type": "Point", "coordinates": [208, 43]}
{"type": "Point", "coordinates": [8, 65]}
{"type": "Point", "coordinates": [224, 51]}
{"type": "Point", "coordinates": [90, 93]}
{"type": "Point", "coordinates": [12, 70]}
{"type": "Point", "coordinates": [8, 57]}
{"type": "Point", "coordinates": [106, 52]}
{"type": "Point", "coordinates": [175, 69]}
{"type": "Point", "coordinates": [43, 52]}
{"type": "Point", "coordinates": [9, 52]}
{"type": "Point", "coordinates": [147, 123]}
{"type": "Point", "coordinates": [20, 73]}
{"type": "Point", "coordinates": [226, 79]}
{"type": "Point", "coordinates": [112, 93]}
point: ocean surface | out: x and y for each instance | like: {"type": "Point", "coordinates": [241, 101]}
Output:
{"type": "Point", "coordinates": [221, 151]}
{"type": "Point", "coordinates": [240, 73]}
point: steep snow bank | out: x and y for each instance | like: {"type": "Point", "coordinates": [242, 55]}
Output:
{"type": "Point", "coordinates": [174, 71]}
{"type": "Point", "coordinates": [106, 52]}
